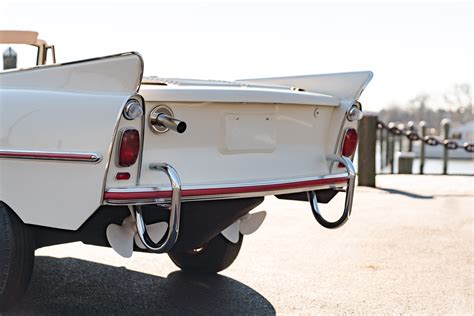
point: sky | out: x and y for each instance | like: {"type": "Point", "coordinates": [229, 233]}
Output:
{"type": "Point", "coordinates": [413, 47]}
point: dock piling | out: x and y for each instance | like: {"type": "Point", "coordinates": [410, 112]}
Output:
{"type": "Point", "coordinates": [422, 146]}
{"type": "Point", "coordinates": [367, 150]}
{"type": "Point", "coordinates": [445, 124]}
{"type": "Point", "coordinates": [391, 148]}
{"type": "Point", "coordinates": [411, 128]}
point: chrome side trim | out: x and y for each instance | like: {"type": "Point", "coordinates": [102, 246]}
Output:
{"type": "Point", "coordinates": [51, 155]}
{"type": "Point", "coordinates": [337, 146]}
{"type": "Point", "coordinates": [175, 210]}
{"type": "Point", "coordinates": [142, 138]}
{"type": "Point", "coordinates": [312, 198]}
{"type": "Point", "coordinates": [112, 145]}
{"type": "Point", "coordinates": [142, 62]}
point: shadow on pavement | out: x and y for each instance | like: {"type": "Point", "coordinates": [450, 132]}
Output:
{"type": "Point", "coordinates": [405, 193]}
{"type": "Point", "coordinates": [69, 286]}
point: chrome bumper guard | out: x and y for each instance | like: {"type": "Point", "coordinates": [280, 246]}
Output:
{"type": "Point", "coordinates": [175, 213]}
{"type": "Point", "coordinates": [175, 206]}
{"type": "Point", "coordinates": [349, 195]}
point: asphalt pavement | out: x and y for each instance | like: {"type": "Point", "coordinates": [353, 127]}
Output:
{"type": "Point", "coordinates": [408, 248]}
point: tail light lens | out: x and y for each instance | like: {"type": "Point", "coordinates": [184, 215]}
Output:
{"type": "Point", "coordinates": [349, 143]}
{"type": "Point", "coordinates": [129, 148]}
{"type": "Point", "coordinates": [122, 176]}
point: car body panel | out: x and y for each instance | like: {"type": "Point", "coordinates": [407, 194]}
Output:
{"type": "Point", "coordinates": [61, 127]}
{"type": "Point", "coordinates": [60, 111]}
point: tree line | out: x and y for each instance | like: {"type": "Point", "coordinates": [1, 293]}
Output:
{"type": "Point", "coordinates": [455, 104]}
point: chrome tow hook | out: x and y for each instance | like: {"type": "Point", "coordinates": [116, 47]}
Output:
{"type": "Point", "coordinates": [351, 175]}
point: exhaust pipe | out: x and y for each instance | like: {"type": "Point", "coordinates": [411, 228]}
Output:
{"type": "Point", "coordinates": [171, 123]}
{"type": "Point", "coordinates": [162, 120]}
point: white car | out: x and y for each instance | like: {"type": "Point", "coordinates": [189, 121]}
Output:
{"type": "Point", "coordinates": [90, 151]}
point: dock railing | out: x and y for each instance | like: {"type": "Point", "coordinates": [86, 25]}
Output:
{"type": "Point", "coordinates": [396, 143]}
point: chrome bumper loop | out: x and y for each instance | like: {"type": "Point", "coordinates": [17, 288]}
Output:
{"type": "Point", "coordinates": [175, 210]}
{"type": "Point", "coordinates": [349, 195]}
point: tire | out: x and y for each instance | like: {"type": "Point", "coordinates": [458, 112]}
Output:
{"type": "Point", "coordinates": [16, 258]}
{"type": "Point", "coordinates": [216, 255]}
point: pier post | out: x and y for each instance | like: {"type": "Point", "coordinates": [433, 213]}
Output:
{"type": "Point", "coordinates": [367, 150]}
{"type": "Point", "coordinates": [400, 137]}
{"type": "Point", "coordinates": [391, 148]}
{"type": "Point", "coordinates": [422, 146]}
{"type": "Point", "coordinates": [411, 128]}
{"type": "Point", "coordinates": [381, 144]}
{"type": "Point", "coordinates": [387, 153]}
{"type": "Point", "coordinates": [405, 162]}
{"type": "Point", "coordinates": [445, 124]}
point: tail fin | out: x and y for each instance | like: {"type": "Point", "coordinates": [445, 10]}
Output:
{"type": "Point", "coordinates": [345, 86]}
{"type": "Point", "coordinates": [116, 74]}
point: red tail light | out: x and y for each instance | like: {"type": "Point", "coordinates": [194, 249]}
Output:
{"type": "Point", "coordinates": [122, 176]}
{"type": "Point", "coordinates": [349, 143]}
{"type": "Point", "coordinates": [129, 148]}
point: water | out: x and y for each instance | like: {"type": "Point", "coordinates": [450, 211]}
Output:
{"type": "Point", "coordinates": [435, 166]}
{"type": "Point", "coordinates": [432, 166]}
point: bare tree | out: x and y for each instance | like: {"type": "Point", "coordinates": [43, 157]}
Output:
{"type": "Point", "coordinates": [457, 106]}
{"type": "Point", "coordinates": [459, 102]}
{"type": "Point", "coordinates": [419, 104]}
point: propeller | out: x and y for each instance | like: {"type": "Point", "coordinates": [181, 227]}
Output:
{"type": "Point", "coordinates": [121, 237]}
{"type": "Point", "coordinates": [245, 225]}
{"type": "Point", "coordinates": [155, 231]}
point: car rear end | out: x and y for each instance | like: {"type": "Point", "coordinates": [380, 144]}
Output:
{"type": "Point", "coordinates": [209, 141]}
{"type": "Point", "coordinates": [232, 147]}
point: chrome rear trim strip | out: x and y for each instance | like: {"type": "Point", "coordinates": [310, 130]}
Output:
{"type": "Point", "coordinates": [153, 195]}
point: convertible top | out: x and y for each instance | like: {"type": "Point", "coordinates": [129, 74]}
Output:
{"type": "Point", "coordinates": [21, 37]}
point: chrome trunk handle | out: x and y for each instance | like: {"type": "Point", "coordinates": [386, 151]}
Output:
{"type": "Point", "coordinates": [175, 211]}
{"type": "Point", "coordinates": [349, 195]}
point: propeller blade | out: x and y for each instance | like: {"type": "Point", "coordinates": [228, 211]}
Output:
{"type": "Point", "coordinates": [251, 222]}
{"type": "Point", "coordinates": [120, 237]}
{"type": "Point", "coordinates": [232, 232]}
{"type": "Point", "coordinates": [155, 231]}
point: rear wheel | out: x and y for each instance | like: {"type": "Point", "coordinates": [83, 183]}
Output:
{"type": "Point", "coordinates": [214, 256]}
{"type": "Point", "coordinates": [16, 258]}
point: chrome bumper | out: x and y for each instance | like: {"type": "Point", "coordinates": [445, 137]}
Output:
{"type": "Point", "coordinates": [174, 202]}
